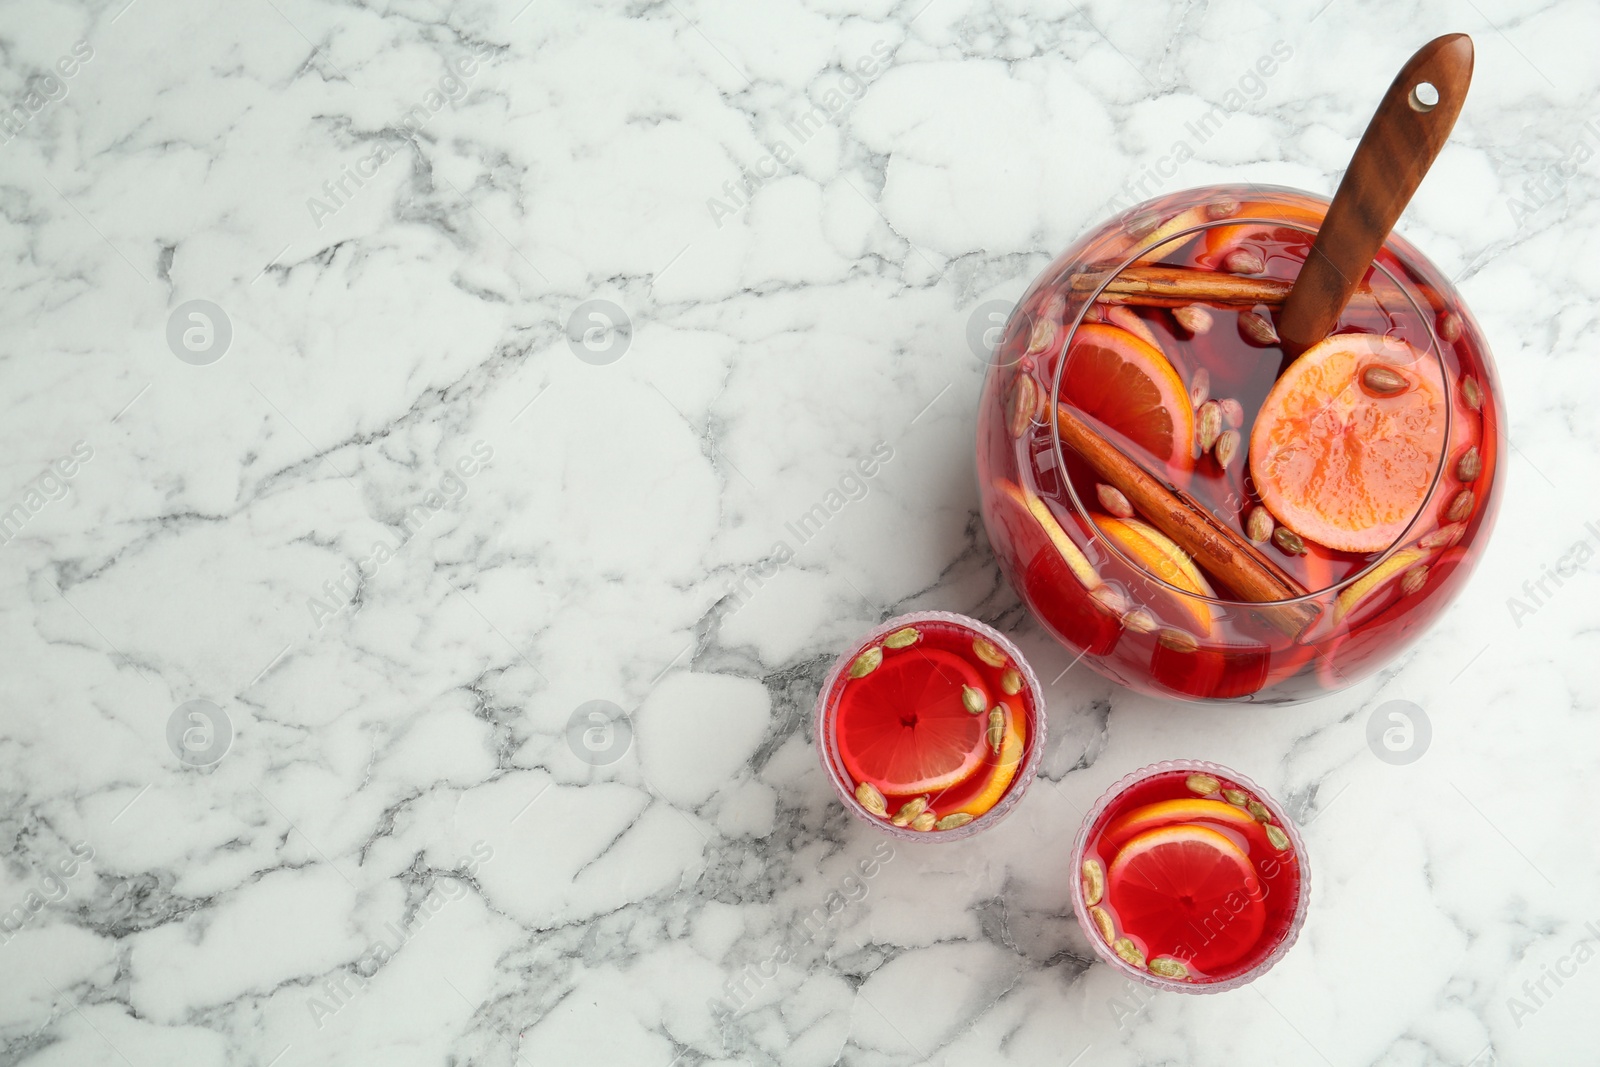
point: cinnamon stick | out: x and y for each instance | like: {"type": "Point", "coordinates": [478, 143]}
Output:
{"type": "Point", "coordinates": [1146, 300]}
{"type": "Point", "coordinates": [1216, 547]}
{"type": "Point", "coordinates": [1183, 284]}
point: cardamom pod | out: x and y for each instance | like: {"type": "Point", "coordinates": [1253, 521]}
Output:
{"type": "Point", "coordinates": [1193, 318]}
{"type": "Point", "coordinates": [871, 799]}
{"type": "Point", "coordinates": [1167, 967]}
{"type": "Point", "coordinates": [867, 662]}
{"type": "Point", "coordinates": [1257, 329]}
{"type": "Point", "coordinates": [1227, 449]}
{"type": "Point", "coordinates": [1289, 541]}
{"type": "Point", "coordinates": [1094, 882]}
{"type": "Point", "coordinates": [988, 652]}
{"type": "Point", "coordinates": [910, 810]}
{"type": "Point", "coordinates": [1113, 501]}
{"type": "Point", "coordinates": [1258, 527]}
{"type": "Point", "coordinates": [902, 638]}
{"type": "Point", "coordinates": [1208, 424]}
{"type": "Point", "coordinates": [1384, 381]}
{"type": "Point", "coordinates": [1243, 261]}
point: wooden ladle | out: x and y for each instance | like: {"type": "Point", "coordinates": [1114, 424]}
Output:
{"type": "Point", "coordinates": [1400, 144]}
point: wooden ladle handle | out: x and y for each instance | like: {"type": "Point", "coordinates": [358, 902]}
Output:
{"type": "Point", "coordinates": [1400, 144]}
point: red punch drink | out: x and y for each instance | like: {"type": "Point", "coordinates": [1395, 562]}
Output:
{"type": "Point", "coordinates": [1204, 514]}
{"type": "Point", "coordinates": [931, 727]}
{"type": "Point", "coordinates": [1190, 878]}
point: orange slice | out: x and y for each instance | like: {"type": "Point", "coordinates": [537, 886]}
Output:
{"type": "Point", "coordinates": [1183, 220]}
{"type": "Point", "coordinates": [1220, 240]}
{"type": "Point", "coordinates": [1188, 892]}
{"type": "Point", "coordinates": [1130, 387]}
{"type": "Point", "coordinates": [1183, 810]}
{"type": "Point", "coordinates": [1340, 465]}
{"type": "Point", "coordinates": [1158, 554]}
{"type": "Point", "coordinates": [1004, 768]}
{"type": "Point", "coordinates": [905, 728]}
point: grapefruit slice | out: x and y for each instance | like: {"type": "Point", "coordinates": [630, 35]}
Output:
{"type": "Point", "coordinates": [904, 727]}
{"type": "Point", "coordinates": [1003, 769]}
{"type": "Point", "coordinates": [1158, 554]}
{"type": "Point", "coordinates": [1190, 893]}
{"type": "Point", "coordinates": [1130, 387]}
{"type": "Point", "coordinates": [1183, 810]}
{"type": "Point", "coordinates": [1338, 464]}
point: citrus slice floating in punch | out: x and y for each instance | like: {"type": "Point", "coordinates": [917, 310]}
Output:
{"type": "Point", "coordinates": [1339, 463]}
{"type": "Point", "coordinates": [1129, 387]}
{"type": "Point", "coordinates": [904, 727]}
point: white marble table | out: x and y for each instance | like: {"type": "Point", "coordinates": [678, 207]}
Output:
{"type": "Point", "coordinates": [396, 533]}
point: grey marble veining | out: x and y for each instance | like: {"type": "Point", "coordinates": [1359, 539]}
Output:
{"type": "Point", "coordinates": [322, 597]}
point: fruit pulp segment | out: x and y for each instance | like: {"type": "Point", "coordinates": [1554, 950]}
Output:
{"type": "Point", "coordinates": [1205, 885]}
{"type": "Point", "coordinates": [944, 721]}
